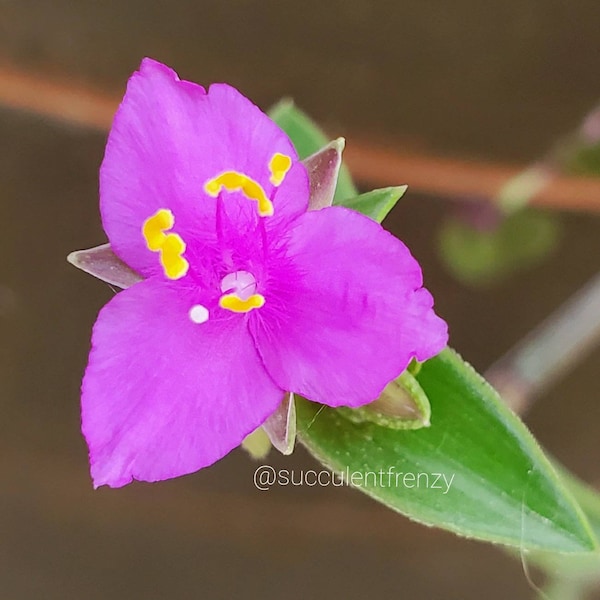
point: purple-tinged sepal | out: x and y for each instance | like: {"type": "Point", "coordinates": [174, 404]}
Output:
{"type": "Point", "coordinates": [104, 264]}
{"type": "Point", "coordinates": [278, 431]}
{"type": "Point", "coordinates": [323, 169]}
{"type": "Point", "coordinates": [281, 425]}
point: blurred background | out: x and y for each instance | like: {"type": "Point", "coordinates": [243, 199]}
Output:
{"type": "Point", "coordinates": [454, 99]}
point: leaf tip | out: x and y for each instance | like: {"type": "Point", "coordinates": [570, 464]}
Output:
{"type": "Point", "coordinates": [285, 104]}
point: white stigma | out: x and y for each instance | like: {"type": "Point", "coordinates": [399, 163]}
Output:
{"type": "Point", "coordinates": [240, 283]}
{"type": "Point", "coordinates": [199, 314]}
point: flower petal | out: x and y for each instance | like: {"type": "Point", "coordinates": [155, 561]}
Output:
{"type": "Point", "coordinates": [170, 137]}
{"type": "Point", "coordinates": [348, 312]}
{"type": "Point", "coordinates": [163, 396]}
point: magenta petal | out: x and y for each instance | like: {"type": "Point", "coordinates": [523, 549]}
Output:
{"type": "Point", "coordinates": [169, 137]}
{"type": "Point", "coordinates": [163, 396]}
{"type": "Point", "coordinates": [245, 139]}
{"type": "Point", "coordinates": [151, 162]}
{"type": "Point", "coordinates": [348, 312]}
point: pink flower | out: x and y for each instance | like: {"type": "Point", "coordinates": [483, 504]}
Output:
{"type": "Point", "coordinates": [245, 294]}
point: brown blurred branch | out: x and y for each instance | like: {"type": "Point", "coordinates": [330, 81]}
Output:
{"type": "Point", "coordinates": [71, 102]}
{"type": "Point", "coordinates": [457, 178]}
{"type": "Point", "coordinates": [63, 100]}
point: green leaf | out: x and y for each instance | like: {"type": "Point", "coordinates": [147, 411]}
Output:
{"type": "Point", "coordinates": [498, 484]}
{"type": "Point", "coordinates": [308, 138]}
{"type": "Point", "coordinates": [377, 203]}
{"type": "Point", "coordinates": [577, 570]}
{"type": "Point", "coordinates": [477, 257]}
{"type": "Point", "coordinates": [587, 498]}
{"type": "Point", "coordinates": [585, 161]}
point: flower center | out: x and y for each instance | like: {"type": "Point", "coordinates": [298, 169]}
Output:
{"type": "Point", "coordinates": [239, 292]}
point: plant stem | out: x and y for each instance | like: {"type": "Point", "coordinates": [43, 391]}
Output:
{"type": "Point", "coordinates": [548, 352]}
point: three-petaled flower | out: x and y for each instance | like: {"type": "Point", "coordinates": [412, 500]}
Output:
{"type": "Point", "coordinates": [246, 293]}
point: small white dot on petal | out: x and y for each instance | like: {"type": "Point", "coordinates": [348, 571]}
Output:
{"type": "Point", "coordinates": [199, 314]}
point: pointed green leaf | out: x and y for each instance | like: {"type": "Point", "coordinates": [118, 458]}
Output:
{"type": "Point", "coordinates": [577, 570]}
{"type": "Point", "coordinates": [587, 497]}
{"type": "Point", "coordinates": [308, 138]}
{"type": "Point", "coordinates": [377, 203]}
{"type": "Point", "coordinates": [494, 482]}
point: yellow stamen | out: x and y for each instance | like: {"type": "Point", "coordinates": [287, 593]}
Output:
{"type": "Point", "coordinates": [155, 226]}
{"type": "Point", "coordinates": [233, 181]}
{"type": "Point", "coordinates": [235, 304]}
{"type": "Point", "coordinates": [170, 246]}
{"type": "Point", "coordinates": [174, 265]}
{"type": "Point", "coordinates": [279, 166]}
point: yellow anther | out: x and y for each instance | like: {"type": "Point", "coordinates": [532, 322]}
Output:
{"type": "Point", "coordinates": [233, 181]}
{"type": "Point", "coordinates": [236, 304]}
{"type": "Point", "coordinates": [171, 258]}
{"type": "Point", "coordinates": [170, 246]}
{"type": "Point", "coordinates": [155, 226]}
{"type": "Point", "coordinates": [279, 166]}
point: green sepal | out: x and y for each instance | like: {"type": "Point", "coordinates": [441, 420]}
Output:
{"type": "Point", "coordinates": [375, 204]}
{"type": "Point", "coordinates": [402, 405]}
